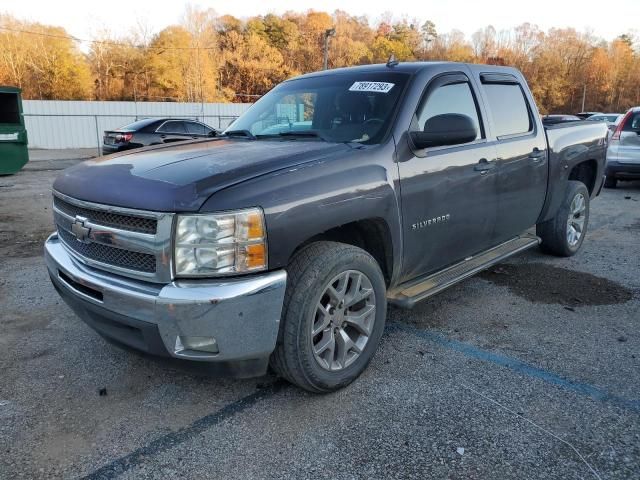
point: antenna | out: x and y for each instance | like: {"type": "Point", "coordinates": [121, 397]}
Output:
{"type": "Point", "coordinates": [392, 62]}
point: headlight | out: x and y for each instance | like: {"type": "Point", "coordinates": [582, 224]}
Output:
{"type": "Point", "coordinates": [220, 244]}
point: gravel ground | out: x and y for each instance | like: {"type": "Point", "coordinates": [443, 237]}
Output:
{"type": "Point", "coordinates": [529, 370]}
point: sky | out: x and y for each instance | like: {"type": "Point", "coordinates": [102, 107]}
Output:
{"type": "Point", "coordinates": [82, 18]}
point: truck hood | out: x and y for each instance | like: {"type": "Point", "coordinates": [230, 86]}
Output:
{"type": "Point", "coordinates": [180, 178]}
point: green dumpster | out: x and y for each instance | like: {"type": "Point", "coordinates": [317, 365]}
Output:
{"type": "Point", "coordinates": [13, 135]}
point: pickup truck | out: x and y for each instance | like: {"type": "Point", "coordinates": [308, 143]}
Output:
{"type": "Point", "coordinates": [281, 242]}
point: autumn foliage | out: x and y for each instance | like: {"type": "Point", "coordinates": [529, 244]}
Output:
{"type": "Point", "coordinates": [214, 58]}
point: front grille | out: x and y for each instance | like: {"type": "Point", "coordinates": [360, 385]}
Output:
{"type": "Point", "coordinates": [141, 262]}
{"type": "Point", "coordinates": [108, 219]}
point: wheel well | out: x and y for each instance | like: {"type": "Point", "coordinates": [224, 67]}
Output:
{"type": "Point", "coordinates": [585, 172]}
{"type": "Point", "coordinates": [372, 235]}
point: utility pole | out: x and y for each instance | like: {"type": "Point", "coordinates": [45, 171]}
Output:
{"type": "Point", "coordinates": [327, 33]}
{"type": "Point", "coordinates": [584, 96]}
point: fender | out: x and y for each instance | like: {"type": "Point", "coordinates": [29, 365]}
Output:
{"type": "Point", "coordinates": [304, 201]}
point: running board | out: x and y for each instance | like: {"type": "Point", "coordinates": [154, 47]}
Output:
{"type": "Point", "coordinates": [408, 294]}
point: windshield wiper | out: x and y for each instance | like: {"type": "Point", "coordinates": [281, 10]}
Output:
{"type": "Point", "coordinates": [239, 133]}
{"type": "Point", "coordinates": [304, 133]}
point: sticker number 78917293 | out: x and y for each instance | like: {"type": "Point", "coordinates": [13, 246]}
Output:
{"type": "Point", "coordinates": [380, 87]}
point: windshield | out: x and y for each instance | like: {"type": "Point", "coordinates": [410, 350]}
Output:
{"type": "Point", "coordinates": [334, 107]}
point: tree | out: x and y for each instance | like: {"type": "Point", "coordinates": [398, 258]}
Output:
{"type": "Point", "coordinates": [46, 64]}
{"type": "Point", "coordinates": [429, 33]}
{"type": "Point", "coordinates": [208, 58]}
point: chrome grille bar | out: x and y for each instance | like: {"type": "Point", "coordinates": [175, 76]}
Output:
{"type": "Point", "coordinates": [114, 241]}
{"type": "Point", "coordinates": [108, 218]}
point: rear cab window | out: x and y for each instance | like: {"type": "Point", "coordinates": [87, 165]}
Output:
{"type": "Point", "coordinates": [509, 109]}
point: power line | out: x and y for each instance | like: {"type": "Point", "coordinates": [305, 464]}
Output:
{"type": "Point", "coordinates": [102, 42]}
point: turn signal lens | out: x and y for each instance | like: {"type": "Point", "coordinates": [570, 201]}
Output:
{"type": "Point", "coordinates": [253, 257]}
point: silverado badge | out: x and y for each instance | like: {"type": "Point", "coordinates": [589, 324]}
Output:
{"type": "Point", "coordinates": [431, 221]}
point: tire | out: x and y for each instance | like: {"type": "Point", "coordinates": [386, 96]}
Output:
{"type": "Point", "coordinates": [557, 238]}
{"type": "Point", "coordinates": [610, 182]}
{"type": "Point", "coordinates": [297, 356]}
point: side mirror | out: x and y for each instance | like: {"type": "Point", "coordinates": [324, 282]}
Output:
{"type": "Point", "coordinates": [445, 129]}
{"type": "Point", "coordinates": [213, 133]}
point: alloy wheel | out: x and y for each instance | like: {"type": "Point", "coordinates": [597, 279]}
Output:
{"type": "Point", "coordinates": [577, 217]}
{"type": "Point", "coordinates": [343, 320]}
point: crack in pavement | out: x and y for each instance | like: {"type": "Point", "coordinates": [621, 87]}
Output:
{"type": "Point", "coordinates": [173, 439]}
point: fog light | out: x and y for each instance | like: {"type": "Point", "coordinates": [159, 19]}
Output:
{"type": "Point", "coordinates": [197, 344]}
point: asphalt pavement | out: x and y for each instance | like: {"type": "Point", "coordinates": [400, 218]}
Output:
{"type": "Point", "coordinates": [529, 370]}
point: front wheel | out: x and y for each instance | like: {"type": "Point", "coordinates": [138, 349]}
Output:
{"type": "Point", "coordinates": [333, 318]}
{"type": "Point", "coordinates": [563, 235]}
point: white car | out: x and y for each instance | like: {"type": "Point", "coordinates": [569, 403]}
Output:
{"type": "Point", "coordinates": [610, 118]}
{"type": "Point", "coordinates": [623, 153]}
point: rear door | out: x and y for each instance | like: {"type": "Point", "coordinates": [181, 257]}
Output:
{"type": "Point", "coordinates": [522, 154]}
{"type": "Point", "coordinates": [449, 192]}
{"type": "Point", "coordinates": [629, 145]}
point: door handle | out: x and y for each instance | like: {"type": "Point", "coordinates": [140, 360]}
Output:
{"type": "Point", "coordinates": [536, 155]}
{"type": "Point", "coordinates": [483, 166]}
{"type": "Point", "coordinates": [163, 136]}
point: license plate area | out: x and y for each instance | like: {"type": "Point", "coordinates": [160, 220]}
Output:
{"type": "Point", "coordinates": [80, 288]}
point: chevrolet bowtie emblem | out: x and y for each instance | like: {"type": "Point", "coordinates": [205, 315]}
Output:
{"type": "Point", "coordinates": [79, 230]}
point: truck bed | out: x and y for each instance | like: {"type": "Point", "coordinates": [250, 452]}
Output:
{"type": "Point", "coordinates": [570, 144]}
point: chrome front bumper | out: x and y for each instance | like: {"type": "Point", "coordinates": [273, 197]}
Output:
{"type": "Point", "coordinates": [241, 314]}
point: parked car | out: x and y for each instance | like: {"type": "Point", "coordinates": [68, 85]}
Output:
{"type": "Point", "coordinates": [610, 119]}
{"type": "Point", "coordinates": [623, 154]}
{"type": "Point", "coordinates": [585, 115]}
{"type": "Point", "coordinates": [555, 119]}
{"type": "Point", "coordinates": [154, 131]}
{"type": "Point", "coordinates": [285, 247]}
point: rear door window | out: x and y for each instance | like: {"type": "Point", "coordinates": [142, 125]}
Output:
{"type": "Point", "coordinates": [509, 109]}
{"type": "Point", "coordinates": [172, 127]}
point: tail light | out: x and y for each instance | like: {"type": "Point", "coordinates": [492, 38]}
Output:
{"type": "Point", "coordinates": [123, 137]}
{"type": "Point", "coordinates": [618, 130]}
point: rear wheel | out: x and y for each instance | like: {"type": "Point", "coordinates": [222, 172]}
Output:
{"type": "Point", "coordinates": [333, 318]}
{"type": "Point", "coordinates": [610, 182]}
{"type": "Point", "coordinates": [563, 235]}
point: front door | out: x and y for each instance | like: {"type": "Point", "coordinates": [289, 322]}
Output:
{"type": "Point", "coordinates": [448, 193]}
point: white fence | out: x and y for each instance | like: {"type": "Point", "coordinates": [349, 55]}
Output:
{"type": "Point", "coordinates": [63, 124]}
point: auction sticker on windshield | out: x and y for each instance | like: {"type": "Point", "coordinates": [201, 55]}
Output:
{"type": "Point", "coordinates": [381, 87]}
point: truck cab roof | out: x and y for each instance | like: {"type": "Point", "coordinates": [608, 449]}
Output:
{"type": "Point", "coordinates": [410, 68]}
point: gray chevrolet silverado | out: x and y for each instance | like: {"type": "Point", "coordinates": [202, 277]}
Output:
{"type": "Point", "coordinates": [282, 241]}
